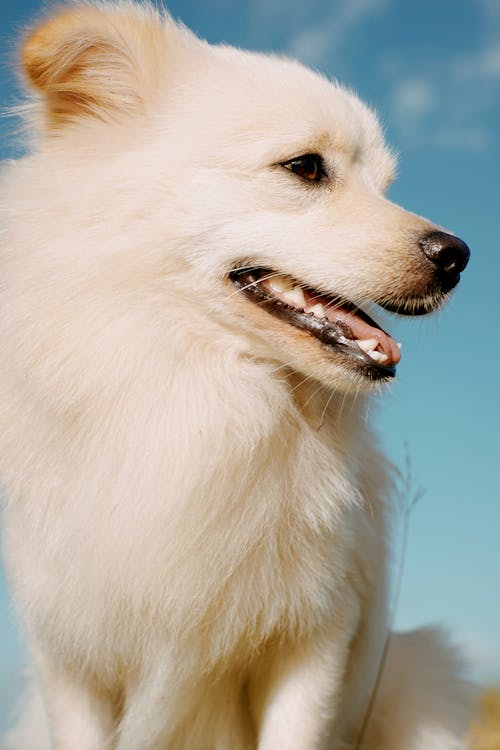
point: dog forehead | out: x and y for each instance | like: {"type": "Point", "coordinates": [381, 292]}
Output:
{"type": "Point", "coordinates": [278, 106]}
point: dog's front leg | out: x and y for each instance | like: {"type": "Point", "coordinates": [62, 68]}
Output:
{"type": "Point", "coordinates": [296, 693]}
{"type": "Point", "coordinates": [79, 716]}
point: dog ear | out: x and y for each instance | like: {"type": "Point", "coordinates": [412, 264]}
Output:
{"type": "Point", "coordinates": [96, 61]}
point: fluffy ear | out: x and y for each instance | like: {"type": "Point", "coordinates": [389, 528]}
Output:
{"type": "Point", "coordinates": [96, 61]}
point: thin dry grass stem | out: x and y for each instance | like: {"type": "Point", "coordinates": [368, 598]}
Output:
{"type": "Point", "coordinates": [410, 498]}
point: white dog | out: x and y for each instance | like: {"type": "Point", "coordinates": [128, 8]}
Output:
{"type": "Point", "coordinates": [195, 512]}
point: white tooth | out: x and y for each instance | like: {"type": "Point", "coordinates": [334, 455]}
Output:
{"type": "Point", "coordinates": [295, 297]}
{"type": "Point", "coordinates": [317, 310]}
{"type": "Point", "coordinates": [378, 357]}
{"type": "Point", "coordinates": [367, 344]}
{"type": "Point", "coordinates": [280, 284]}
{"type": "Point", "coordinates": [399, 345]}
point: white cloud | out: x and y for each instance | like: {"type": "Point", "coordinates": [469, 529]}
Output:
{"type": "Point", "coordinates": [484, 65]}
{"type": "Point", "coordinates": [412, 99]}
{"type": "Point", "coordinates": [448, 104]}
{"type": "Point", "coordinates": [490, 62]}
{"type": "Point", "coordinates": [412, 103]}
{"type": "Point", "coordinates": [451, 103]}
{"type": "Point", "coordinates": [483, 657]}
{"type": "Point", "coordinates": [265, 10]}
{"type": "Point", "coordinates": [311, 45]}
{"type": "Point", "coordinates": [465, 138]}
{"type": "Point", "coordinates": [315, 42]}
{"type": "Point", "coordinates": [324, 25]}
{"type": "Point", "coordinates": [491, 8]}
{"type": "Point", "coordinates": [431, 114]}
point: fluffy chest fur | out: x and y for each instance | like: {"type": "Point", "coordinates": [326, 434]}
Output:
{"type": "Point", "coordinates": [261, 513]}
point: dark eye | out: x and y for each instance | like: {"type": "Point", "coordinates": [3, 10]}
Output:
{"type": "Point", "coordinates": [308, 166]}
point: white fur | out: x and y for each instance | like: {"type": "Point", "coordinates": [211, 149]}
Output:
{"type": "Point", "coordinates": [195, 533]}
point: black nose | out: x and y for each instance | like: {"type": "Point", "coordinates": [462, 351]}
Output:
{"type": "Point", "coordinates": [448, 253]}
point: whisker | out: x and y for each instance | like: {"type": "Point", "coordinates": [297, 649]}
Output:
{"type": "Point", "coordinates": [323, 413]}
{"type": "Point", "coordinates": [301, 383]}
{"type": "Point", "coordinates": [247, 286]}
{"type": "Point", "coordinates": [320, 387]}
{"type": "Point", "coordinates": [280, 367]}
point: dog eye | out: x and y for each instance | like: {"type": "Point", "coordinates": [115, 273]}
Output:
{"type": "Point", "coordinates": [308, 166]}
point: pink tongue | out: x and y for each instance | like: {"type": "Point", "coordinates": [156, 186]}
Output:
{"type": "Point", "coordinates": [362, 330]}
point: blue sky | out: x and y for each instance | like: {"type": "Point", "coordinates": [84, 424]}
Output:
{"type": "Point", "coordinates": [432, 71]}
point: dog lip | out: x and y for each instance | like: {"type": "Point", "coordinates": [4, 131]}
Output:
{"type": "Point", "coordinates": [429, 301]}
{"type": "Point", "coordinates": [414, 307]}
{"type": "Point", "coordinates": [336, 335]}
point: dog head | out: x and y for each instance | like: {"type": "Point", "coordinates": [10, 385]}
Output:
{"type": "Point", "coordinates": [252, 187]}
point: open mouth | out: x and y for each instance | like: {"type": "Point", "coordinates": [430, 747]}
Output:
{"type": "Point", "coordinates": [338, 325]}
